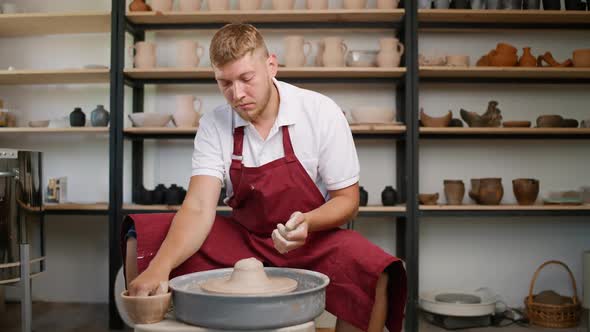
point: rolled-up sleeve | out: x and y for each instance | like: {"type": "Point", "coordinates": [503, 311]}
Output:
{"type": "Point", "coordinates": [338, 162]}
{"type": "Point", "coordinates": [207, 154]}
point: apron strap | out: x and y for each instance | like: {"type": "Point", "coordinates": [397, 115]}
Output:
{"type": "Point", "coordinates": [236, 158]}
{"type": "Point", "coordinates": [287, 146]}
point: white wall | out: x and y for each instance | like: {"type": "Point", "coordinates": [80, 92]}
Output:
{"type": "Point", "coordinates": [500, 253]}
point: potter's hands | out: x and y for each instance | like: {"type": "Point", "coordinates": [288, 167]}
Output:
{"type": "Point", "coordinates": [292, 234]}
{"type": "Point", "coordinates": [150, 282]}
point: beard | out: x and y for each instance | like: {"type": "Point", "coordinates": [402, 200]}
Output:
{"type": "Point", "coordinates": [259, 106]}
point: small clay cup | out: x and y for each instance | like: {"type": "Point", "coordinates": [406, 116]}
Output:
{"type": "Point", "coordinates": [490, 191]}
{"type": "Point", "coordinates": [454, 191]}
{"type": "Point", "coordinates": [428, 199]}
{"type": "Point", "coordinates": [146, 309]}
{"type": "Point", "coordinates": [526, 191]}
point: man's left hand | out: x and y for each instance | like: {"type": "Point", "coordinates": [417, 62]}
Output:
{"type": "Point", "coordinates": [292, 234]}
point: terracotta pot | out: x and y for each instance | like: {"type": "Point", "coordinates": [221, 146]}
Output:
{"type": "Point", "coordinates": [139, 6]}
{"type": "Point", "coordinates": [295, 53]}
{"type": "Point", "coordinates": [582, 58]}
{"type": "Point", "coordinates": [283, 4]}
{"type": "Point", "coordinates": [162, 5]}
{"type": "Point", "coordinates": [474, 191]}
{"type": "Point", "coordinates": [189, 5]}
{"type": "Point", "coordinates": [549, 121]}
{"type": "Point", "coordinates": [454, 191]}
{"type": "Point", "coordinates": [570, 123]}
{"type": "Point", "coordinates": [390, 53]}
{"type": "Point", "coordinates": [526, 191]}
{"type": "Point", "coordinates": [146, 309]}
{"type": "Point", "coordinates": [428, 199]}
{"type": "Point", "coordinates": [218, 4]}
{"type": "Point", "coordinates": [317, 4]}
{"type": "Point", "coordinates": [250, 4]}
{"type": "Point", "coordinates": [387, 4]}
{"type": "Point", "coordinates": [490, 191]}
{"type": "Point", "coordinates": [502, 59]}
{"type": "Point", "coordinates": [334, 51]}
{"type": "Point", "coordinates": [355, 4]}
{"type": "Point", "coordinates": [527, 59]}
{"type": "Point", "coordinates": [429, 121]}
{"type": "Point", "coordinates": [188, 53]}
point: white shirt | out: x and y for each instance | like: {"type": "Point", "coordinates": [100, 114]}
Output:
{"type": "Point", "coordinates": [321, 138]}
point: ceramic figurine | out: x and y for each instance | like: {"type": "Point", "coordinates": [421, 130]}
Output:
{"type": "Point", "coordinates": [99, 117]}
{"type": "Point", "coordinates": [491, 118]}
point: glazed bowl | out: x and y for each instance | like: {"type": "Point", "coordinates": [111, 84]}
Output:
{"type": "Point", "coordinates": [581, 58]}
{"type": "Point", "coordinates": [39, 123]}
{"type": "Point", "coordinates": [146, 309]}
{"type": "Point", "coordinates": [359, 58]}
{"type": "Point", "coordinates": [372, 114]}
{"type": "Point", "coordinates": [149, 119]}
{"type": "Point", "coordinates": [428, 199]}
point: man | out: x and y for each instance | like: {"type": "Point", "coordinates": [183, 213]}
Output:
{"type": "Point", "coordinates": [290, 167]}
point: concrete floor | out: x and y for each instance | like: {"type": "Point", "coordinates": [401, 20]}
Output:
{"type": "Point", "coordinates": [69, 317]}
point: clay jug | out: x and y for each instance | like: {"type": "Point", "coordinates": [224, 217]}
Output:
{"type": "Point", "coordinates": [454, 191]}
{"type": "Point", "coordinates": [525, 191]}
{"type": "Point", "coordinates": [218, 4]}
{"type": "Point", "coordinates": [490, 191]}
{"type": "Point", "coordinates": [527, 59]}
{"type": "Point", "coordinates": [355, 4]}
{"type": "Point", "coordinates": [162, 5]}
{"type": "Point", "coordinates": [188, 53]}
{"type": "Point", "coordinates": [189, 5]}
{"type": "Point", "coordinates": [145, 54]}
{"type": "Point", "coordinates": [250, 4]}
{"type": "Point", "coordinates": [317, 4]}
{"type": "Point", "coordinates": [187, 115]}
{"type": "Point", "coordinates": [334, 51]}
{"type": "Point", "coordinates": [387, 4]}
{"type": "Point", "coordinates": [390, 53]}
{"type": "Point", "coordinates": [295, 53]}
{"type": "Point", "coordinates": [283, 4]}
{"type": "Point", "coordinates": [139, 6]}
{"type": "Point", "coordinates": [319, 62]}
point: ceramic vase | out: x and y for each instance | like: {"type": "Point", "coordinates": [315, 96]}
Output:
{"type": "Point", "coordinates": [99, 117]}
{"type": "Point", "coordinates": [454, 191]}
{"type": "Point", "coordinates": [77, 118]}
{"type": "Point", "coordinates": [388, 196]}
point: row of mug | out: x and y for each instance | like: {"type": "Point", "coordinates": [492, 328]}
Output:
{"type": "Point", "coordinates": [502, 4]}
{"type": "Point", "coordinates": [331, 53]}
{"type": "Point", "coordinates": [195, 5]}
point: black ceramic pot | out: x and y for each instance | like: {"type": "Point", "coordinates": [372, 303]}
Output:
{"type": "Point", "coordinates": [77, 118]}
{"type": "Point", "coordinates": [173, 195]}
{"type": "Point", "coordinates": [143, 196]}
{"type": "Point", "coordinates": [158, 194]}
{"type": "Point", "coordinates": [575, 5]}
{"type": "Point", "coordinates": [460, 4]}
{"type": "Point", "coordinates": [552, 4]}
{"type": "Point", "coordinates": [363, 197]}
{"type": "Point", "coordinates": [388, 196]}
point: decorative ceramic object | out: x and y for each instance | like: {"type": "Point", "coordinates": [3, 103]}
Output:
{"type": "Point", "coordinates": [512, 4]}
{"type": "Point", "coordinates": [146, 309]}
{"type": "Point", "coordinates": [494, 4]}
{"type": "Point", "coordinates": [424, 4]}
{"type": "Point", "coordinates": [283, 4]}
{"type": "Point", "coordinates": [585, 123]}
{"type": "Point", "coordinates": [570, 123]}
{"type": "Point", "coordinates": [295, 52]}
{"type": "Point", "coordinates": [532, 4]}
{"type": "Point", "coordinates": [162, 5]}
{"type": "Point", "coordinates": [188, 53]}
{"type": "Point", "coordinates": [431, 60]}
{"type": "Point", "coordinates": [527, 59]}
{"type": "Point", "coordinates": [388, 196]}
{"type": "Point", "coordinates": [457, 60]}
{"type": "Point", "coordinates": [503, 56]}
{"type": "Point", "coordinates": [548, 58]}
{"type": "Point", "coordinates": [429, 121]}
{"type": "Point", "coordinates": [62, 122]}
{"type": "Point", "coordinates": [516, 124]}
{"type": "Point", "coordinates": [139, 6]}
{"type": "Point", "coordinates": [334, 51]}
{"type": "Point", "coordinates": [363, 197]}
{"type": "Point", "coordinates": [575, 5]}
{"type": "Point", "coordinates": [39, 123]}
{"type": "Point", "coordinates": [585, 193]}
{"type": "Point", "coordinates": [456, 123]}
{"type": "Point", "coordinates": [149, 119]}
{"type": "Point", "coordinates": [581, 58]}
{"type": "Point", "coordinates": [319, 58]}
{"type": "Point", "coordinates": [460, 4]}
{"type": "Point", "coordinates": [387, 4]}
{"type": "Point", "coordinates": [317, 4]}
{"type": "Point", "coordinates": [189, 5]}
{"type": "Point", "coordinates": [215, 5]}
{"type": "Point", "coordinates": [491, 118]}
{"type": "Point", "coordinates": [428, 199]}
{"type": "Point", "coordinates": [477, 4]}
{"type": "Point", "coordinates": [549, 121]}
{"type": "Point", "coordinates": [372, 114]}
{"type": "Point", "coordinates": [454, 191]}
{"type": "Point", "coordinates": [357, 58]}
{"type": "Point", "coordinates": [77, 118]}
{"type": "Point", "coordinates": [145, 55]}
{"type": "Point", "coordinates": [99, 117]}
{"type": "Point", "coordinates": [158, 194]}
{"type": "Point", "coordinates": [174, 195]}
{"type": "Point", "coordinates": [525, 191]}
{"type": "Point", "coordinates": [487, 191]}
{"type": "Point", "coordinates": [442, 4]}
{"type": "Point", "coordinates": [354, 4]}
{"type": "Point", "coordinates": [565, 197]}
{"type": "Point", "coordinates": [248, 278]}
{"type": "Point", "coordinates": [390, 53]}
{"type": "Point", "coordinates": [552, 4]}
{"type": "Point", "coordinates": [249, 4]}
{"type": "Point", "coordinates": [187, 115]}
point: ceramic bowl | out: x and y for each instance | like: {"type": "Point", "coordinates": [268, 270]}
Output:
{"type": "Point", "coordinates": [372, 114]}
{"type": "Point", "coordinates": [39, 123]}
{"type": "Point", "coordinates": [516, 124]}
{"type": "Point", "coordinates": [430, 121]}
{"type": "Point", "coordinates": [564, 197]}
{"type": "Point", "coordinates": [356, 58]}
{"type": "Point", "coordinates": [149, 119]}
{"type": "Point", "coordinates": [146, 309]}
{"type": "Point", "coordinates": [457, 60]}
{"type": "Point", "coordinates": [549, 121]}
{"type": "Point", "coordinates": [428, 199]}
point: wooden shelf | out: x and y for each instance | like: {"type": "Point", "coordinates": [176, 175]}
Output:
{"type": "Point", "coordinates": [28, 24]}
{"type": "Point", "coordinates": [303, 72]}
{"type": "Point", "coordinates": [379, 208]}
{"type": "Point", "coordinates": [471, 210]}
{"type": "Point", "coordinates": [504, 72]}
{"type": "Point", "coordinates": [65, 76]}
{"type": "Point", "coordinates": [541, 132]}
{"type": "Point", "coordinates": [76, 207]}
{"type": "Point", "coordinates": [268, 16]}
{"type": "Point", "coordinates": [73, 130]}
{"type": "Point", "coordinates": [539, 17]}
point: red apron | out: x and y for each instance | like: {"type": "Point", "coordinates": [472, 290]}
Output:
{"type": "Point", "coordinates": [263, 197]}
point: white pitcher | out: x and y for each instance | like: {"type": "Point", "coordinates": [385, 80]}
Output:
{"type": "Point", "coordinates": [334, 51]}
{"type": "Point", "coordinates": [189, 5]}
{"type": "Point", "coordinates": [162, 5]}
{"type": "Point", "coordinates": [391, 51]}
{"type": "Point", "coordinates": [187, 115]}
{"type": "Point", "coordinates": [295, 52]}
{"type": "Point", "coordinates": [188, 53]}
{"type": "Point", "coordinates": [145, 54]}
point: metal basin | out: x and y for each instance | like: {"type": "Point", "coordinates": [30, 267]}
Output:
{"type": "Point", "coordinates": [196, 307]}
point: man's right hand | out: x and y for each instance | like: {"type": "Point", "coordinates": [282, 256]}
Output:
{"type": "Point", "coordinates": [148, 281]}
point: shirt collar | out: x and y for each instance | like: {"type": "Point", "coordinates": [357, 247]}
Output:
{"type": "Point", "coordinates": [286, 115]}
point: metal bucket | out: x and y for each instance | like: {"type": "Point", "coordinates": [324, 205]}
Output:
{"type": "Point", "coordinates": [193, 306]}
{"type": "Point", "coordinates": [21, 213]}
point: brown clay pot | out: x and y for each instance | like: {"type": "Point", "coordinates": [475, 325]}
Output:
{"type": "Point", "coordinates": [454, 191]}
{"type": "Point", "coordinates": [498, 59]}
{"type": "Point", "coordinates": [549, 121]}
{"type": "Point", "coordinates": [429, 121]}
{"type": "Point", "coordinates": [490, 191]}
{"type": "Point", "coordinates": [506, 48]}
{"type": "Point", "coordinates": [527, 59]}
{"type": "Point", "coordinates": [516, 124]}
{"type": "Point", "coordinates": [582, 58]}
{"type": "Point", "coordinates": [525, 190]}
{"type": "Point", "coordinates": [570, 123]}
{"type": "Point", "coordinates": [474, 192]}
{"type": "Point", "coordinates": [428, 199]}
{"type": "Point", "coordinates": [139, 6]}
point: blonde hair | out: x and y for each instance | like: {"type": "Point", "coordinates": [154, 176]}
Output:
{"type": "Point", "coordinates": [233, 41]}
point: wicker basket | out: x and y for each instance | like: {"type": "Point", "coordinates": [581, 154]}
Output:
{"type": "Point", "coordinates": [553, 315]}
